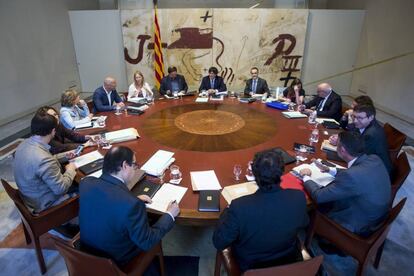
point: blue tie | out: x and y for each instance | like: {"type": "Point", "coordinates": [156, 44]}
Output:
{"type": "Point", "coordinates": [212, 83]}
{"type": "Point", "coordinates": [254, 86]}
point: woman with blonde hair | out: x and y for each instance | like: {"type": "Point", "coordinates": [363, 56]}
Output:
{"type": "Point", "coordinates": [139, 88]}
{"type": "Point", "coordinates": [74, 111]}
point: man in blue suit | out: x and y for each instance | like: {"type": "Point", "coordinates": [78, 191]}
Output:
{"type": "Point", "coordinates": [262, 228]}
{"type": "Point", "coordinates": [359, 197]}
{"type": "Point", "coordinates": [111, 219]}
{"type": "Point", "coordinates": [256, 85]}
{"type": "Point", "coordinates": [212, 83]}
{"type": "Point", "coordinates": [105, 96]}
{"type": "Point", "coordinates": [173, 82]}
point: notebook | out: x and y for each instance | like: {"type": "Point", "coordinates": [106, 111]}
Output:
{"type": "Point", "coordinates": [209, 201]}
{"type": "Point", "coordinates": [121, 135]}
{"type": "Point", "coordinates": [158, 162]}
{"type": "Point", "coordinates": [92, 167]}
{"type": "Point", "coordinates": [147, 187]}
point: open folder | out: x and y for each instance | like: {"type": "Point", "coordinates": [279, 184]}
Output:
{"type": "Point", "coordinates": [238, 190]}
{"type": "Point", "coordinates": [158, 163]}
{"type": "Point", "coordinates": [166, 194]}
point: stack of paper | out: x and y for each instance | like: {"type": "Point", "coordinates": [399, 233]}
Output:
{"type": "Point", "coordinates": [137, 100]}
{"type": "Point", "coordinates": [235, 191]}
{"type": "Point", "coordinates": [201, 100]}
{"type": "Point", "coordinates": [165, 195]}
{"type": "Point", "coordinates": [121, 135]}
{"type": "Point", "coordinates": [293, 114]}
{"type": "Point", "coordinates": [86, 158]}
{"type": "Point", "coordinates": [217, 98]}
{"type": "Point", "coordinates": [140, 108]}
{"type": "Point", "coordinates": [96, 174]}
{"type": "Point", "coordinates": [158, 163]}
{"type": "Point", "coordinates": [319, 177]}
{"type": "Point", "coordinates": [204, 180]}
{"type": "Point", "coordinates": [328, 146]}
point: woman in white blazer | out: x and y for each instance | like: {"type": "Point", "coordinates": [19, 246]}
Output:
{"type": "Point", "coordinates": [139, 88]}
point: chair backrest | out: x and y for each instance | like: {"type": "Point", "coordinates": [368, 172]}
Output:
{"type": "Point", "coordinates": [80, 263]}
{"type": "Point", "coordinates": [400, 173]}
{"type": "Point", "coordinates": [14, 194]}
{"type": "Point", "coordinates": [305, 268]}
{"type": "Point", "coordinates": [395, 140]}
{"type": "Point", "coordinates": [379, 236]}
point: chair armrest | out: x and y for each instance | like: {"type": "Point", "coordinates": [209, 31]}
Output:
{"type": "Point", "coordinates": [140, 263]}
{"type": "Point", "coordinates": [229, 261]}
{"type": "Point", "coordinates": [338, 235]}
{"type": "Point", "coordinates": [57, 215]}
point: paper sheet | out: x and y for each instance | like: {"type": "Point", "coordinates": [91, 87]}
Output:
{"type": "Point", "coordinates": [321, 120]}
{"type": "Point", "coordinates": [293, 114]}
{"type": "Point", "coordinates": [86, 158]}
{"type": "Point", "coordinates": [201, 100]}
{"type": "Point", "coordinates": [319, 177]}
{"type": "Point", "coordinates": [166, 194]}
{"type": "Point", "coordinates": [204, 180]}
{"type": "Point", "coordinates": [158, 162]}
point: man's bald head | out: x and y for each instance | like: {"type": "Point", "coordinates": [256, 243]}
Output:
{"type": "Point", "coordinates": [324, 89]}
{"type": "Point", "coordinates": [109, 83]}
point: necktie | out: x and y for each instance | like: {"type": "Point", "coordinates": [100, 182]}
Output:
{"type": "Point", "coordinates": [254, 86]}
{"type": "Point", "coordinates": [212, 83]}
{"type": "Point", "coordinates": [320, 104]}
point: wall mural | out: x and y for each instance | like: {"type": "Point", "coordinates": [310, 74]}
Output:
{"type": "Point", "coordinates": [233, 40]}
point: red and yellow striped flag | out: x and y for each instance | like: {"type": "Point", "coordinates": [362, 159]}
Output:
{"type": "Point", "coordinates": [158, 60]}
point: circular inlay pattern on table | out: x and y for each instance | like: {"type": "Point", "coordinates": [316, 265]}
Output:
{"type": "Point", "coordinates": [210, 127]}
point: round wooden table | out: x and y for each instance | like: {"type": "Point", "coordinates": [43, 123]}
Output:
{"type": "Point", "coordinates": [211, 136]}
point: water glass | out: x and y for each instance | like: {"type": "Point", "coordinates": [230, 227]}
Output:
{"type": "Point", "coordinates": [249, 171]}
{"type": "Point", "coordinates": [301, 154]}
{"type": "Point", "coordinates": [314, 137]}
{"type": "Point", "coordinates": [118, 110]}
{"type": "Point", "coordinates": [175, 94]}
{"type": "Point", "coordinates": [175, 173]}
{"type": "Point", "coordinates": [237, 170]}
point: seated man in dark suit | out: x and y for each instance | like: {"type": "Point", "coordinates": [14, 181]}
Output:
{"type": "Point", "coordinates": [371, 132]}
{"type": "Point", "coordinates": [359, 197]}
{"type": "Point", "coordinates": [327, 104]}
{"type": "Point", "coordinates": [261, 228]}
{"type": "Point", "coordinates": [212, 83]}
{"type": "Point", "coordinates": [105, 96]}
{"type": "Point", "coordinates": [173, 82]}
{"type": "Point", "coordinates": [114, 221]}
{"type": "Point", "coordinates": [256, 85]}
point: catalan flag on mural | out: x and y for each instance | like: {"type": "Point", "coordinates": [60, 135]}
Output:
{"type": "Point", "coordinates": [158, 60]}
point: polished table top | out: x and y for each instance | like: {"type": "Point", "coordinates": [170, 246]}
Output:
{"type": "Point", "coordinates": [233, 133]}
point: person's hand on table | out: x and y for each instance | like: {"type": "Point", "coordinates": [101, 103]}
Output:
{"type": "Point", "coordinates": [305, 171]}
{"type": "Point", "coordinates": [120, 104]}
{"type": "Point", "coordinates": [145, 198]}
{"type": "Point", "coordinates": [173, 208]}
{"type": "Point", "coordinates": [70, 155]}
{"type": "Point", "coordinates": [323, 168]}
{"type": "Point", "coordinates": [333, 140]}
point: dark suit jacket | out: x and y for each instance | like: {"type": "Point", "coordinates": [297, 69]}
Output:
{"type": "Point", "coordinates": [376, 142]}
{"type": "Point", "coordinates": [359, 197]}
{"type": "Point", "coordinates": [261, 87]}
{"type": "Point", "coordinates": [100, 100]}
{"type": "Point", "coordinates": [65, 139]}
{"type": "Point", "coordinates": [114, 221]}
{"type": "Point", "coordinates": [262, 226]}
{"type": "Point", "coordinates": [331, 109]}
{"type": "Point", "coordinates": [166, 84]}
{"type": "Point", "coordinates": [218, 84]}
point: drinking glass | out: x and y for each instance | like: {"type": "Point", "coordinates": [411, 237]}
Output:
{"type": "Point", "coordinates": [300, 154]}
{"type": "Point", "coordinates": [118, 110]}
{"type": "Point", "coordinates": [175, 173]}
{"type": "Point", "coordinates": [237, 170]}
{"type": "Point", "coordinates": [175, 94]}
{"type": "Point", "coordinates": [249, 171]}
{"type": "Point", "coordinates": [314, 137]}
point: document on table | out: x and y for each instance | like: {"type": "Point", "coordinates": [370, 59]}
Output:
{"type": "Point", "coordinates": [158, 163]}
{"type": "Point", "coordinates": [136, 99]}
{"type": "Point", "coordinates": [322, 178]}
{"type": "Point", "coordinates": [204, 180]}
{"type": "Point", "coordinates": [232, 192]}
{"type": "Point", "coordinates": [201, 100]}
{"type": "Point", "coordinates": [122, 135]}
{"type": "Point", "coordinates": [293, 114]}
{"type": "Point", "coordinates": [96, 174]}
{"type": "Point", "coordinates": [166, 194]}
{"type": "Point", "coordinates": [86, 158]}
{"type": "Point", "coordinates": [327, 146]}
{"type": "Point", "coordinates": [321, 120]}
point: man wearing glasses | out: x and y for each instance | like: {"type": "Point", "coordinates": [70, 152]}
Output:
{"type": "Point", "coordinates": [114, 221]}
{"type": "Point", "coordinates": [371, 131]}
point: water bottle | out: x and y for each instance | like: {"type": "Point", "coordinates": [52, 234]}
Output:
{"type": "Point", "coordinates": [312, 118]}
{"type": "Point", "coordinates": [314, 138]}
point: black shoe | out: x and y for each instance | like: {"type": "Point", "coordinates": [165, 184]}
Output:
{"type": "Point", "coordinates": [67, 230]}
{"type": "Point", "coordinates": [330, 249]}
